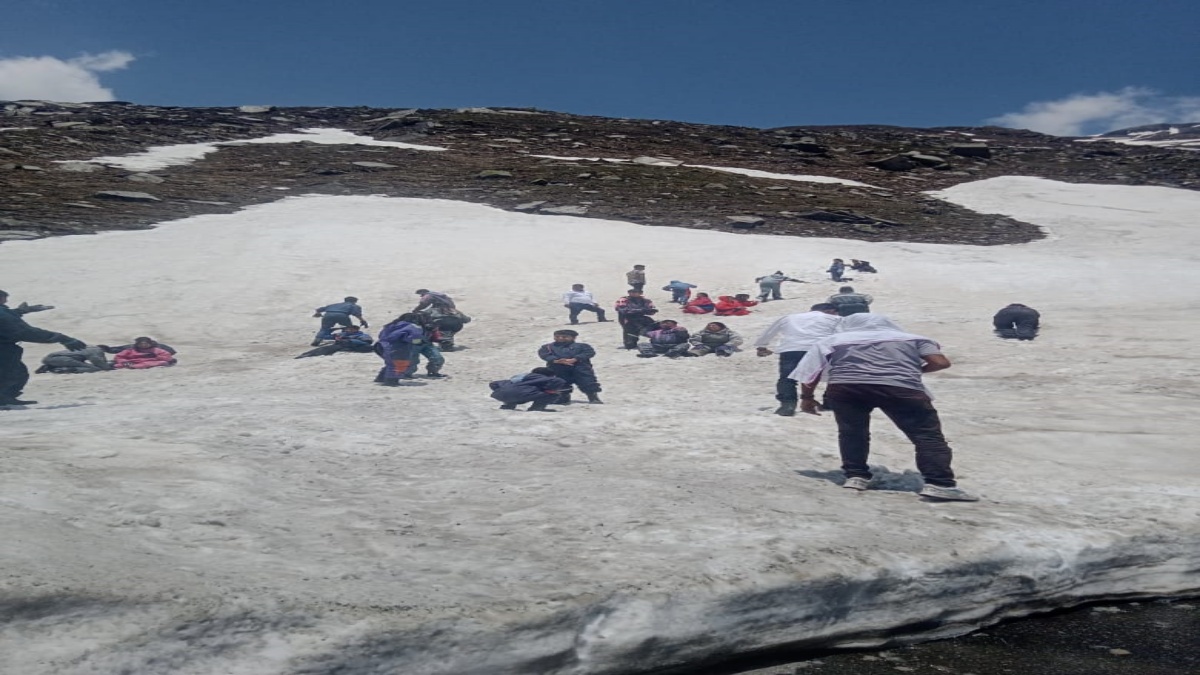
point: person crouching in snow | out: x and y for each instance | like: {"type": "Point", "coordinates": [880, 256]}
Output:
{"type": "Point", "coordinates": [397, 342]}
{"type": "Point", "coordinates": [668, 338]}
{"type": "Point", "coordinates": [716, 338]}
{"type": "Point", "coordinates": [538, 387]}
{"type": "Point", "coordinates": [571, 361]}
{"type": "Point", "coordinates": [86, 360]}
{"type": "Point", "coordinates": [143, 354]}
{"type": "Point", "coordinates": [701, 304]}
{"type": "Point", "coordinates": [728, 305]}
{"type": "Point", "coordinates": [348, 339]}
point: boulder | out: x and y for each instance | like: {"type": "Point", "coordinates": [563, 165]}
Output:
{"type": "Point", "coordinates": [745, 222]}
{"type": "Point", "coordinates": [145, 178]}
{"type": "Point", "coordinates": [120, 195]}
{"type": "Point", "coordinates": [980, 150]}
{"type": "Point", "coordinates": [927, 160]}
{"type": "Point", "coordinates": [804, 145]}
{"type": "Point", "coordinates": [7, 235]}
{"type": "Point", "coordinates": [657, 161]}
{"type": "Point", "coordinates": [488, 174]}
{"type": "Point", "coordinates": [566, 210]}
{"type": "Point", "coordinates": [374, 165]}
{"type": "Point", "coordinates": [255, 108]}
{"type": "Point", "coordinates": [529, 206]}
{"type": "Point", "coordinates": [80, 167]}
{"type": "Point", "coordinates": [894, 163]}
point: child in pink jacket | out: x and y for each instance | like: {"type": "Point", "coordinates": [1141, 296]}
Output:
{"type": "Point", "coordinates": [143, 354]}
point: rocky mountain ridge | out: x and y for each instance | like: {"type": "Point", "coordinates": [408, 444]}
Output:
{"type": "Point", "coordinates": [548, 162]}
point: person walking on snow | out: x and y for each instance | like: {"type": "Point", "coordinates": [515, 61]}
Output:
{"type": "Point", "coordinates": [397, 342]}
{"type": "Point", "coordinates": [793, 336]}
{"type": "Point", "coordinates": [770, 286]}
{"type": "Point", "coordinates": [636, 277]}
{"type": "Point", "coordinates": [633, 313]}
{"type": "Point", "coordinates": [848, 302]}
{"type": "Point", "coordinates": [572, 362]}
{"type": "Point", "coordinates": [681, 291]}
{"type": "Point", "coordinates": [428, 347]}
{"type": "Point", "coordinates": [540, 387]}
{"type": "Point", "coordinates": [337, 314]}
{"type": "Point", "coordinates": [13, 330]}
{"type": "Point", "coordinates": [872, 363]}
{"type": "Point", "coordinates": [579, 300]}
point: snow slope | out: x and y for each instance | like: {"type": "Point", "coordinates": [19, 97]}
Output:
{"type": "Point", "coordinates": [248, 513]}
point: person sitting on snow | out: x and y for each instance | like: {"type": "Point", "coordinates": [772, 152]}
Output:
{"type": "Point", "coordinates": [1017, 322]}
{"type": "Point", "coordinates": [861, 266]}
{"type": "Point", "coordinates": [716, 338]}
{"type": "Point", "coordinates": [117, 349]}
{"type": "Point", "coordinates": [540, 387]}
{"type": "Point", "coordinates": [667, 338]}
{"type": "Point", "coordinates": [348, 339]}
{"type": "Point", "coordinates": [701, 304]}
{"type": "Point", "coordinates": [728, 305]}
{"type": "Point", "coordinates": [145, 353]}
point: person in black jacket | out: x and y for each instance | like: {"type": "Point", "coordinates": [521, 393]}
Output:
{"type": "Point", "coordinates": [1017, 322]}
{"type": "Point", "coordinates": [13, 373]}
{"type": "Point", "coordinates": [572, 362]}
{"type": "Point", "coordinates": [539, 387]}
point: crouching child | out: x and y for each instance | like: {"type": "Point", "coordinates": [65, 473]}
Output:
{"type": "Point", "coordinates": [539, 387]}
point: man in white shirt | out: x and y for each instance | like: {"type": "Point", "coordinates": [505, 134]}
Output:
{"type": "Point", "coordinates": [578, 300]}
{"type": "Point", "coordinates": [793, 336]}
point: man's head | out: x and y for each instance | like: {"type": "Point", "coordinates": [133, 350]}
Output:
{"type": "Point", "coordinates": [411, 317]}
{"type": "Point", "coordinates": [742, 297]}
{"type": "Point", "coordinates": [634, 293]}
{"type": "Point", "coordinates": [846, 289]}
{"type": "Point", "coordinates": [422, 291]}
{"type": "Point", "coordinates": [715, 326]}
{"type": "Point", "coordinates": [577, 287]}
{"type": "Point", "coordinates": [825, 307]}
{"type": "Point", "coordinates": [565, 335]}
{"type": "Point", "coordinates": [350, 298]}
{"type": "Point", "coordinates": [668, 324]}
{"type": "Point", "coordinates": [639, 267]}
{"type": "Point", "coordinates": [543, 371]}
{"type": "Point", "coordinates": [351, 329]}
{"type": "Point", "coordinates": [778, 272]}
{"type": "Point", "coordinates": [838, 260]}
{"type": "Point", "coordinates": [144, 343]}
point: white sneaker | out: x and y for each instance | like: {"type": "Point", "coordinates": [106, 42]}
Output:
{"type": "Point", "coordinates": [951, 494]}
{"type": "Point", "coordinates": [856, 483]}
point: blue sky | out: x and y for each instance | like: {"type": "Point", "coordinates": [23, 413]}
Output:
{"type": "Point", "coordinates": [1062, 66]}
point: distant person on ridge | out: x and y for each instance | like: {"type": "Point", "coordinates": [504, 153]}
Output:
{"type": "Point", "coordinates": [572, 362]}
{"type": "Point", "coordinates": [871, 363]}
{"type": "Point", "coordinates": [636, 278]}
{"type": "Point", "coordinates": [337, 314]}
{"type": "Point", "coordinates": [579, 300]}
{"type": "Point", "coordinates": [1017, 322]}
{"type": "Point", "coordinates": [848, 302]}
{"type": "Point", "coordinates": [633, 313]}
{"type": "Point", "coordinates": [13, 330]}
{"type": "Point", "coordinates": [793, 336]}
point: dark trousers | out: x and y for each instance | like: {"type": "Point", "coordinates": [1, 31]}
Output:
{"type": "Point", "coordinates": [637, 287]}
{"type": "Point", "coordinates": [329, 320]}
{"type": "Point", "coordinates": [577, 307]}
{"type": "Point", "coordinates": [13, 373]}
{"type": "Point", "coordinates": [785, 386]}
{"type": "Point", "coordinates": [580, 375]}
{"type": "Point", "coordinates": [909, 409]}
{"type": "Point", "coordinates": [632, 327]}
{"type": "Point", "coordinates": [1019, 330]}
{"type": "Point", "coordinates": [770, 292]}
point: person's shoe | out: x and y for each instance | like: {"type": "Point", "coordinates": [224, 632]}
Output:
{"type": "Point", "coordinates": [574, 323]}
{"type": "Point", "coordinates": [539, 407]}
{"type": "Point", "coordinates": [603, 320]}
{"type": "Point", "coordinates": [594, 398]}
{"type": "Point", "coordinates": [509, 406]}
{"type": "Point", "coordinates": [390, 382]}
{"type": "Point", "coordinates": [786, 409]}
{"type": "Point", "coordinates": [316, 342]}
{"type": "Point", "coordinates": [950, 494]}
{"type": "Point", "coordinates": [434, 374]}
{"type": "Point", "coordinates": [14, 401]}
{"type": "Point", "coordinates": [646, 356]}
{"type": "Point", "coordinates": [857, 483]}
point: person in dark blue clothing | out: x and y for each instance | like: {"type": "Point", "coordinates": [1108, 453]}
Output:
{"type": "Point", "coordinates": [837, 269]}
{"type": "Point", "coordinates": [397, 342]}
{"type": "Point", "coordinates": [571, 361]}
{"type": "Point", "coordinates": [13, 330]}
{"type": "Point", "coordinates": [429, 348]}
{"type": "Point", "coordinates": [337, 314]}
{"type": "Point", "coordinates": [349, 339]}
{"type": "Point", "coordinates": [540, 387]}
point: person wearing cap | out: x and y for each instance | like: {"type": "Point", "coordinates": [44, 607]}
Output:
{"type": "Point", "coordinates": [848, 302]}
{"type": "Point", "coordinates": [13, 330]}
{"type": "Point", "coordinates": [337, 314]}
{"type": "Point", "coordinates": [571, 361]}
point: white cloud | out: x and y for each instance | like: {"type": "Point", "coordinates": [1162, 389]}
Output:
{"type": "Point", "coordinates": [52, 79]}
{"type": "Point", "coordinates": [1084, 114]}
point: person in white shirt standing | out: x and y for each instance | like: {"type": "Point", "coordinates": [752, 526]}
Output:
{"type": "Point", "coordinates": [793, 336]}
{"type": "Point", "coordinates": [578, 300]}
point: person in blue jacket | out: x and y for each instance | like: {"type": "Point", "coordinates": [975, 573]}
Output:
{"type": "Point", "coordinates": [538, 387]}
{"type": "Point", "coordinates": [349, 339]}
{"type": "Point", "coordinates": [397, 342]}
{"type": "Point", "coordinates": [429, 348]}
{"type": "Point", "coordinates": [572, 362]}
{"type": "Point", "coordinates": [681, 291]}
{"type": "Point", "coordinates": [337, 314]}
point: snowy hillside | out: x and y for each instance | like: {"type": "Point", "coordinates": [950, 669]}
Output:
{"type": "Point", "coordinates": [248, 513]}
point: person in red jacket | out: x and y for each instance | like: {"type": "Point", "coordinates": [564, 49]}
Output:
{"type": "Point", "coordinates": [701, 304]}
{"type": "Point", "coordinates": [734, 305]}
{"type": "Point", "coordinates": [143, 354]}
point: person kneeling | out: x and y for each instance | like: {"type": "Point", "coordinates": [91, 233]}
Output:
{"type": "Point", "coordinates": [538, 387]}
